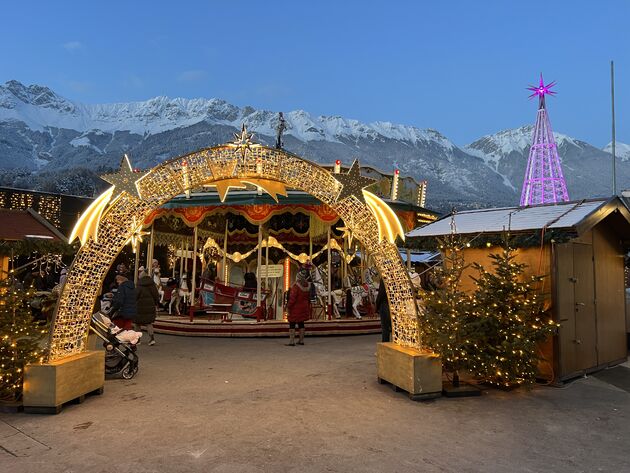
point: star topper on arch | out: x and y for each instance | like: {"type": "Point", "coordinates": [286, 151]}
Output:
{"type": "Point", "coordinates": [125, 180]}
{"type": "Point", "coordinates": [353, 185]}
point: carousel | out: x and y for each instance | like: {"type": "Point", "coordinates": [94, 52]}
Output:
{"type": "Point", "coordinates": [225, 257]}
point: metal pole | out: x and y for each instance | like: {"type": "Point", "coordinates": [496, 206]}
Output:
{"type": "Point", "coordinates": [224, 265]}
{"type": "Point", "coordinates": [194, 274]}
{"type": "Point", "coordinates": [259, 263]}
{"type": "Point", "coordinates": [181, 261]}
{"type": "Point", "coordinates": [408, 259]}
{"type": "Point", "coordinates": [150, 253]}
{"type": "Point", "coordinates": [137, 262]}
{"type": "Point", "coordinates": [612, 96]}
{"type": "Point", "coordinates": [186, 256]}
{"type": "Point", "coordinates": [267, 264]}
{"type": "Point", "coordinates": [329, 277]}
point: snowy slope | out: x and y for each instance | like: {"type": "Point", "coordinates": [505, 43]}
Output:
{"type": "Point", "coordinates": [622, 150]}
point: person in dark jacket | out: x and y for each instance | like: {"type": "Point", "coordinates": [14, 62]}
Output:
{"type": "Point", "coordinates": [147, 300]}
{"type": "Point", "coordinates": [382, 306]}
{"type": "Point", "coordinates": [299, 306]}
{"type": "Point", "coordinates": [124, 303]}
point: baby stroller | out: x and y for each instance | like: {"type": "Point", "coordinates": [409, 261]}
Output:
{"type": "Point", "coordinates": [120, 351]}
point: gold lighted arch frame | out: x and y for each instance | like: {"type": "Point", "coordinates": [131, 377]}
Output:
{"type": "Point", "coordinates": [108, 224]}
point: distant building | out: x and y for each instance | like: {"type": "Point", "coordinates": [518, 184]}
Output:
{"type": "Point", "coordinates": [60, 210]}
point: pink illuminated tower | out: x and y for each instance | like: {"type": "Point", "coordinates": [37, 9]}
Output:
{"type": "Point", "coordinates": [544, 182]}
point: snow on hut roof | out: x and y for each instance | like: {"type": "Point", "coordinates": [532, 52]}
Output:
{"type": "Point", "coordinates": [563, 215]}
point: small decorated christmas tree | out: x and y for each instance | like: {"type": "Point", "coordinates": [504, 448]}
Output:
{"type": "Point", "coordinates": [445, 322]}
{"type": "Point", "coordinates": [509, 321]}
{"type": "Point", "coordinates": [21, 338]}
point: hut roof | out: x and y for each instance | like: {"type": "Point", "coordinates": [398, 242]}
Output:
{"type": "Point", "coordinates": [19, 225]}
{"type": "Point", "coordinates": [577, 215]}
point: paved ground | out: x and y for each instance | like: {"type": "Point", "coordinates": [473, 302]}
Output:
{"type": "Point", "coordinates": [255, 405]}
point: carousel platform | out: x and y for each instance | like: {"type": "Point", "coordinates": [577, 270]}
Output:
{"type": "Point", "coordinates": [208, 327]}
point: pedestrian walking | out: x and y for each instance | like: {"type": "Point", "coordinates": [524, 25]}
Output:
{"type": "Point", "coordinates": [299, 306]}
{"type": "Point", "coordinates": [147, 300]}
{"type": "Point", "coordinates": [124, 303]}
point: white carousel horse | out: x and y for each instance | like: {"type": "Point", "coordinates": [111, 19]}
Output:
{"type": "Point", "coordinates": [322, 292]}
{"type": "Point", "coordinates": [358, 291]}
{"type": "Point", "coordinates": [179, 295]}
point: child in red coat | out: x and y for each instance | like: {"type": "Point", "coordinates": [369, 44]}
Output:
{"type": "Point", "coordinates": [299, 306]}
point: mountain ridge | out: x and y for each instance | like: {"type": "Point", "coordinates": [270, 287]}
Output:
{"type": "Point", "coordinates": [44, 133]}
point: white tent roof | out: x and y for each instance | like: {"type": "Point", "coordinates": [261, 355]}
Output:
{"type": "Point", "coordinates": [564, 215]}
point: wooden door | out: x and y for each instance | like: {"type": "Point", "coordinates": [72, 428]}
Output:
{"type": "Point", "coordinates": [575, 308]}
{"type": "Point", "coordinates": [584, 297]}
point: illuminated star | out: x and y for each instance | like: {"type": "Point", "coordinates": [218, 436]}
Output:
{"type": "Point", "coordinates": [353, 183]}
{"type": "Point", "coordinates": [136, 237]}
{"type": "Point", "coordinates": [243, 141]}
{"type": "Point", "coordinates": [541, 90]}
{"type": "Point", "coordinates": [223, 173]}
{"type": "Point", "coordinates": [125, 180]}
{"type": "Point", "coordinates": [347, 233]}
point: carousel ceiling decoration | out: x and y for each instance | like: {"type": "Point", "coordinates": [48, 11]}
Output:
{"type": "Point", "coordinates": [117, 215]}
{"type": "Point", "coordinates": [272, 242]}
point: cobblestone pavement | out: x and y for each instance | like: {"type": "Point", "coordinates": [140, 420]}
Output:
{"type": "Point", "coordinates": [256, 405]}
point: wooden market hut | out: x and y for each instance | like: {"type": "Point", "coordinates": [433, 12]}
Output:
{"type": "Point", "coordinates": [580, 246]}
{"type": "Point", "coordinates": [25, 230]}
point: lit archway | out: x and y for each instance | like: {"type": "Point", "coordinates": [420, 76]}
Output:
{"type": "Point", "coordinates": [117, 215]}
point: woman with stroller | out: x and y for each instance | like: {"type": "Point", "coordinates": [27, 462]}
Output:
{"type": "Point", "coordinates": [147, 300]}
{"type": "Point", "coordinates": [124, 303]}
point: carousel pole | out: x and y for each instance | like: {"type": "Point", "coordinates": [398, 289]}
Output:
{"type": "Point", "coordinates": [344, 263]}
{"type": "Point", "coordinates": [150, 252]}
{"type": "Point", "coordinates": [259, 264]}
{"type": "Point", "coordinates": [267, 262]}
{"type": "Point", "coordinates": [186, 256]}
{"type": "Point", "coordinates": [181, 260]}
{"type": "Point", "coordinates": [224, 264]}
{"type": "Point", "coordinates": [329, 277]}
{"type": "Point", "coordinates": [194, 275]}
{"type": "Point", "coordinates": [136, 250]}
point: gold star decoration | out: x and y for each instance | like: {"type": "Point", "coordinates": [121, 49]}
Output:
{"type": "Point", "coordinates": [125, 179]}
{"type": "Point", "coordinates": [243, 141]}
{"type": "Point", "coordinates": [223, 172]}
{"type": "Point", "coordinates": [136, 237]}
{"type": "Point", "coordinates": [353, 183]}
{"type": "Point", "coordinates": [347, 233]}
{"type": "Point", "coordinates": [273, 188]}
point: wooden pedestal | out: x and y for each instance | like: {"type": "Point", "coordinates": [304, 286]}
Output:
{"type": "Point", "coordinates": [417, 372]}
{"type": "Point", "coordinates": [48, 386]}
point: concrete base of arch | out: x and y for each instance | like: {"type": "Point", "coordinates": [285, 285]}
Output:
{"type": "Point", "coordinates": [419, 373]}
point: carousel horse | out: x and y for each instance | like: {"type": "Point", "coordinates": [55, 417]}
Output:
{"type": "Point", "coordinates": [358, 291]}
{"type": "Point", "coordinates": [180, 295]}
{"type": "Point", "coordinates": [322, 293]}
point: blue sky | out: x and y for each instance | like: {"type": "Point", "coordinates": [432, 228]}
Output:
{"type": "Point", "coordinates": [460, 67]}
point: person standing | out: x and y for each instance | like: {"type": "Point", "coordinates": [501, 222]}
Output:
{"type": "Point", "coordinates": [147, 300]}
{"type": "Point", "coordinates": [299, 306]}
{"type": "Point", "coordinates": [124, 303]}
{"type": "Point", "coordinates": [382, 306]}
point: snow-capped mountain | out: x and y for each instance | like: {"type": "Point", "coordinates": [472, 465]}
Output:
{"type": "Point", "coordinates": [586, 168]}
{"type": "Point", "coordinates": [45, 138]}
{"type": "Point", "coordinates": [622, 150]}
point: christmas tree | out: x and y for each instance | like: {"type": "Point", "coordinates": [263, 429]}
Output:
{"type": "Point", "coordinates": [445, 322]}
{"type": "Point", "coordinates": [508, 321]}
{"type": "Point", "coordinates": [21, 338]}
